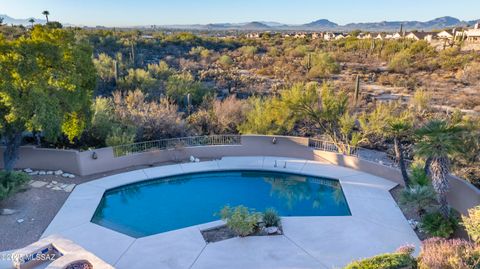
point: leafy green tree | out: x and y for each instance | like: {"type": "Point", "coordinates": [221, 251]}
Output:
{"type": "Point", "coordinates": [46, 83]}
{"type": "Point", "coordinates": [325, 108]}
{"type": "Point", "coordinates": [438, 140]}
{"type": "Point", "coordinates": [267, 116]}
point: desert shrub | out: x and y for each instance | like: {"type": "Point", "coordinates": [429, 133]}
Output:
{"type": "Point", "coordinates": [102, 119]}
{"type": "Point", "coordinates": [419, 197]}
{"type": "Point", "coordinates": [438, 253]}
{"type": "Point", "coordinates": [452, 58]}
{"type": "Point", "coordinates": [11, 182]}
{"type": "Point", "coordinates": [240, 219]}
{"type": "Point", "coordinates": [120, 136]}
{"type": "Point", "coordinates": [322, 65]}
{"type": "Point", "coordinates": [470, 74]}
{"type": "Point", "coordinates": [225, 61]}
{"type": "Point", "coordinates": [420, 101]}
{"type": "Point", "coordinates": [401, 62]}
{"type": "Point", "coordinates": [471, 222]}
{"type": "Point", "coordinates": [248, 51]}
{"type": "Point", "coordinates": [153, 120]}
{"type": "Point", "coordinates": [435, 224]}
{"type": "Point", "coordinates": [271, 218]}
{"type": "Point", "coordinates": [385, 261]}
{"type": "Point", "coordinates": [229, 114]}
{"type": "Point", "coordinates": [181, 85]}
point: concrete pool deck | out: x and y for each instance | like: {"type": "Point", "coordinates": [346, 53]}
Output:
{"type": "Point", "coordinates": [376, 225]}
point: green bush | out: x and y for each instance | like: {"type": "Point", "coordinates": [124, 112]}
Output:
{"type": "Point", "coordinates": [11, 182]}
{"type": "Point", "coordinates": [435, 224]}
{"type": "Point", "coordinates": [418, 197]}
{"type": "Point", "coordinates": [472, 223]}
{"type": "Point", "coordinates": [271, 218]}
{"type": "Point", "coordinates": [418, 176]}
{"type": "Point", "coordinates": [121, 136]}
{"type": "Point", "coordinates": [384, 261]}
{"type": "Point", "coordinates": [240, 219]}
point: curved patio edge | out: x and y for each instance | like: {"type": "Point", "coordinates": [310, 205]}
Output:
{"type": "Point", "coordinates": [376, 224]}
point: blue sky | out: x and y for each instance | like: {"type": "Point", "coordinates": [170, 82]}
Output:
{"type": "Point", "coordinates": [147, 12]}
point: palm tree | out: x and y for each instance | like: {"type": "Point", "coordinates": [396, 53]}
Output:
{"type": "Point", "coordinates": [32, 21]}
{"type": "Point", "coordinates": [439, 140]}
{"type": "Point", "coordinates": [46, 13]}
{"type": "Point", "coordinates": [398, 127]}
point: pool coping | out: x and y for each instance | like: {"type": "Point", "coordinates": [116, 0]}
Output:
{"type": "Point", "coordinates": [73, 219]}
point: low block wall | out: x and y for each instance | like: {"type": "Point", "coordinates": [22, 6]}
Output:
{"type": "Point", "coordinates": [462, 196]}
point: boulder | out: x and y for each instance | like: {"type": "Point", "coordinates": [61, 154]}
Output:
{"type": "Point", "coordinates": [27, 170]}
{"type": "Point", "coordinates": [58, 172]}
{"type": "Point", "coordinates": [7, 211]}
{"type": "Point", "coordinates": [271, 230]}
{"type": "Point", "coordinates": [42, 173]}
{"type": "Point", "coordinates": [50, 172]}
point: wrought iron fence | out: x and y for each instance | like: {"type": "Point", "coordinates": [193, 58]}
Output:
{"type": "Point", "coordinates": [325, 145]}
{"type": "Point", "coordinates": [174, 143]}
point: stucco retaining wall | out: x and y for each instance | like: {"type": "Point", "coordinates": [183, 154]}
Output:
{"type": "Point", "coordinates": [462, 196]}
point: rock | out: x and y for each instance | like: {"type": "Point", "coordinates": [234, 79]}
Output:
{"type": "Point", "coordinates": [7, 211]}
{"type": "Point", "coordinates": [27, 170]}
{"type": "Point", "coordinates": [42, 173]}
{"type": "Point", "coordinates": [71, 175]}
{"type": "Point", "coordinates": [38, 184]}
{"type": "Point", "coordinates": [34, 173]}
{"type": "Point", "coordinates": [58, 172]}
{"type": "Point", "coordinates": [20, 220]}
{"type": "Point", "coordinates": [197, 160]}
{"type": "Point", "coordinates": [54, 182]}
{"type": "Point", "coordinates": [69, 188]}
{"type": "Point", "coordinates": [271, 230]}
{"type": "Point", "coordinates": [56, 188]}
{"type": "Point", "coordinates": [192, 159]}
{"type": "Point", "coordinates": [413, 223]}
{"type": "Point", "coordinates": [50, 172]}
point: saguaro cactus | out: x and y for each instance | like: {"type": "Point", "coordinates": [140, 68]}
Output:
{"type": "Point", "coordinates": [357, 89]}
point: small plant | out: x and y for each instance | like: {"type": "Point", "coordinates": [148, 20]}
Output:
{"type": "Point", "coordinates": [448, 254]}
{"type": "Point", "coordinates": [418, 176]}
{"type": "Point", "coordinates": [11, 182]}
{"type": "Point", "coordinates": [385, 261]}
{"type": "Point", "coordinates": [435, 224]}
{"type": "Point", "coordinates": [418, 197]}
{"type": "Point", "coordinates": [271, 218]}
{"type": "Point", "coordinates": [472, 223]}
{"type": "Point", "coordinates": [240, 219]}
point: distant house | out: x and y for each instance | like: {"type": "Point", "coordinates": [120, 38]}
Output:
{"type": "Point", "coordinates": [420, 36]}
{"type": "Point", "coordinates": [317, 35]}
{"type": "Point", "coordinates": [380, 36]}
{"type": "Point", "coordinates": [300, 35]}
{"type": "Point", "coordinates": [364, 36]}
{"type": "Point", "coordinates": [253, 35]}
{"type": "Point", "coordinates": [329, 36]}
{"type": "Point", "coordinates": [447, 34]}
{"type": "Point", "coordinates": [397, 36]}
{"type": "Point", "coordinates": [473, 35]}
{"type": "Point", "coordinates": [339, 36]}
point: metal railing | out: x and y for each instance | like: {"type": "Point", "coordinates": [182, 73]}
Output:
{"type": "Point", "coordinates": [359, 152]}
{"type": "Point", "coordinates": [176, 143]}
{"type": "Point", "coordinates": [329, 146]}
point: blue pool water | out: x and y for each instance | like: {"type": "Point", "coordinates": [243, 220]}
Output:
{"type": "Point", "coordinates": [166, 204]}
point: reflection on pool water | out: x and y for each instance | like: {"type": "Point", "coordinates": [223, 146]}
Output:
{"type": "Point", "coordinates": [170, 203]}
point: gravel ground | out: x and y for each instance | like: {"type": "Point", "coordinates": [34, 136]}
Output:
{"type": "Point", "coordinates": [37, 207]}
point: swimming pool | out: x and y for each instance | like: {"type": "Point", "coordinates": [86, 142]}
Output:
{"type": "Point", "coordinates": [171, 203]}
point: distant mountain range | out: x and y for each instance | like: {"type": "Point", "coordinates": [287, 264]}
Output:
{"type": "Point", "coordinates": [9, 20]}
{"type": "Point", "coordinates": [326, 25]}
{"type": "Point", "coordinates": [318, 25]}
